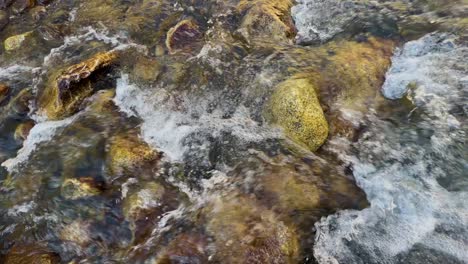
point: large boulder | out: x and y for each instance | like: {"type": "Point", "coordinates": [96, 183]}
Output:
{"type": "Point", "coordinates": [295, 107]}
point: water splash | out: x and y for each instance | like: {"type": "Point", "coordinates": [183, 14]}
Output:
{"type": "Point", "coordinates": [166, 129]}
{"type": "Point", "coordinates": [402, 168]}
{"type": "Point", "coordinates": [41, 132]}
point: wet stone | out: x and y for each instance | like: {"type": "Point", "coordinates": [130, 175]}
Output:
{"type": "Point", "coordinates": [4, 19]}
{"type": "Point", "coordinates": [182, 36]}
{"type": "Point", "coordinates": [15, 42]}
{"type": "Point", "coordinates": [23, 129]}
{"type": "Point", "coordinates": [20, 6]}
{"type": "Point", "coordinates": [185, 248]}
{"type": "Point", "coordinates": [4, 91]}
{"type": "Point", "coordinates": [33, 254]}
{"type": "Point", "coordinates": [295, 107]}
{"type": "Point", "coordinates": [80, 188]}
{"type": "Point", "coordinates": [128, 154]}
{"type": "Point", "coordinates": [70, 87]}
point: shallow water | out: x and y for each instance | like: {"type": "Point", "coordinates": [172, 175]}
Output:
{"type": "Point", "coordinates": [172, 159]}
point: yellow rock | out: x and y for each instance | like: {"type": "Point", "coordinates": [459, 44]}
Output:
{"type": "Point", "coordinates": [127, 153]}
{"type": "Point", "coordinates": [294, 106]}
{"type": "Point", "coordinates": [14, 42]}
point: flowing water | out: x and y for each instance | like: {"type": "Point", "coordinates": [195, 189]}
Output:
{"type": "Point", "coordinates": [172, 156]}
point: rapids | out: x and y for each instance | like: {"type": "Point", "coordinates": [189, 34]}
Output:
{"type": "Point", "coordinates": [188, 131]}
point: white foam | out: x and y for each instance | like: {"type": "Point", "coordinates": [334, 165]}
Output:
{"type": "Point", "coordinates": [41, 132]}
{"type": "Point", "coordinates": [398, 167]}
{"type": "Point", "coordinates": [13, 71]}
{"type": "Point", "coordinates": [165, 128]}
{"type": "Point", "coordinates": [320, 20]}
{"type": "Point", "coordinates": [427, 63]}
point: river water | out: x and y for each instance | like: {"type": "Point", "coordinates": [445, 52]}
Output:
{"type": "Point", "coordinates": [171, 158]}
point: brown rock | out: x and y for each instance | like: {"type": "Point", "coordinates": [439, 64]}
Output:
{"type": "Point", "coordinates": [4, 19]}
{"type": "Point", "coordinates": [20, 6]}
{"type": "Point", "coordinates": [23, 129]}
{"type": "Point", "coordinates": [181, 36]}
{"type": "Point", "coordinates": [269, 19]}
{"type": "Point", "coordinates": [4, 91]}
{"type": "Point", "coordinates": [185, 248]}
{"type": "Point", "coordinates": [68, 89]}
{"type": "Point", "coordinates": [129, 154]}
{"type": "Point", "coordinates": [31, 254]}
{"type": "Point", "coordinates": [245, 232]}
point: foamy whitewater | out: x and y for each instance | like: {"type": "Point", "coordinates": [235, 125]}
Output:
{"type": "Point", "coordinates": [167, 129]}
{"type": "Point", "coordinates": [413, 171]}
{"type": "Point", "coordinates": [320, 20]}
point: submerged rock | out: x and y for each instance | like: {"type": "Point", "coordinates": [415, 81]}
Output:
{"type": "Point", "coordinates": [4, 19]}
{"type": "Point", "coordinates": [294, 106]}
{"type": "Point", "coordinates": [127, 153]}
{"type": "Point", "coordinates": [4, 91]}
{"type": "Point", "coordinates": [80, 188]}
{"type": "Point", "coordinates": [23, 129]}
{"type": "Point", "coordinates": [14, 42]}
{"type": "Point", "coordinates": [144, 204]}
{"type": "Point", "coordinates": [267, 19]}
{"type": "Point", "coordinates": [77, 232]}
{"type": "Point", "coordinates": [146, 69]}
{"type": "Point", "coordinates": [33, 254]}
{"type": "Point", "coordinates": [247, 233]}
{"type": "Point", "coordinates": [185, 248]}
{"type": "Point", "coordinates": [181, 36]}
{"type": "Point", "coordinates": [145, 199]}
{"type": "Point", "coordinates": [67, 89]}
{"type": "Point", "coordinates": [20, 6]}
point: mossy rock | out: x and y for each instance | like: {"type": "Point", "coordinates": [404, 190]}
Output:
{"type": "Point", "coordinates": [295, 107]}
{"type": "Point", "coordinates": [245, 232]}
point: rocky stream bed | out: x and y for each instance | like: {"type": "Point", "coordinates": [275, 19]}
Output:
{"type": "Point", "coordinates": [233, 131]}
